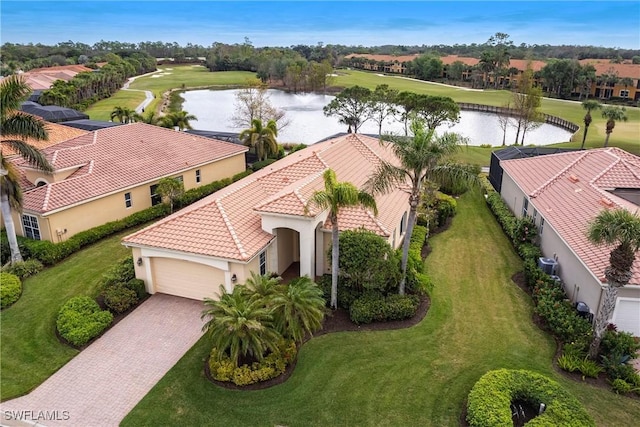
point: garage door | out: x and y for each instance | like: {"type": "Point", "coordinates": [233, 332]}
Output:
{"type": "Point", "coordinates": [627, 315]}
{"type": "Point", "coordinates": [186, 279]}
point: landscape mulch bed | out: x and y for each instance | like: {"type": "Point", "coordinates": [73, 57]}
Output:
{"type": "Point", "coordinates": [601, 381]}
{"type": "Point", "coordinates": [336, 321]}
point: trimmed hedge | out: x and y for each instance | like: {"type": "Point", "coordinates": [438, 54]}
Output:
{"type": "Point", "coordinates": [80, 320]}
{"type": "Point", "coordinates": [49, 253]}
{"type": "Point", "coordinates": [375, 307]}
{"type": "Point", "coordinates": [490, 399]}
{"type": "Point", "coordinates": [119, 298]}
{"type": "Point", "coordinates": [271, 366]}
{"type": "Point", "coordinates": [10, 289]}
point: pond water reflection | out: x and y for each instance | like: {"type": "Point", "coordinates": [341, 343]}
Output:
{"type": "Point", "coordinates": [308, 124]}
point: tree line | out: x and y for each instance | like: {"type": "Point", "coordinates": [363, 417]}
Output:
{"type": "Point", "coordinates": [14, 56]}
{"type": "Point", "coordinates": [87, 88]}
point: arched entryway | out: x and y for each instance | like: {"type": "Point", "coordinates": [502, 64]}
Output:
{"type": "Point", "coordinates": [288, 250]}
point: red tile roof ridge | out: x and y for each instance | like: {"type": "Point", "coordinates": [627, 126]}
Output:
{"type": "Point", "coordinates": [46, 197]}
{"type": "Point", "coordinates": [563, 171]}
{"type": "Point", "coordinates": [616, 153]}
{"type": "Point", "coordinates": [232, 231]}
{"type": "Point", "coordinates": [294, 188]}
{"type": "Point", "coordinates": [374, 218]}
{"type": "Point", "coordinates": [367, 151]}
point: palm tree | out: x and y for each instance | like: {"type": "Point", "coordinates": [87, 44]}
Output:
{"type": "Point", "coordinates": [14, 128]}
{"type": "Point", "coordinates": [621, 228]}
{"type": "Point", "coordinates": [299, 309]}
{"type": "Point", "coordinates": [613, 114]}
{"type": "Point", "coordinates": [181, 119]}
{"type": "Point", "coordinates": [588, 105]}
{"type": "Point", "coordinates": [338, 195]}
{"type": "Point", "coordinates": [421, 159]}
{"type": "Point", "coordinates": [124, 114]}
{"type": "Point", "coordinates": [240, 326]}
{"type": "Point", "coordinates": [626, 82]}
{"type": "Point", "coordinates": [262, 286]}
{"type": "Point", "coordinates": [261, 138]}
{"type": "Point", "coordinates": [152, 118]}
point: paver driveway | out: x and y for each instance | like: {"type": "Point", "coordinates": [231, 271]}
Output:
{"type": "Point", "coordinates": [105, 381]}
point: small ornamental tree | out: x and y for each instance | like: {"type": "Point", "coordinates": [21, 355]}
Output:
{"type": "Point", "coordinates": [170, 189]}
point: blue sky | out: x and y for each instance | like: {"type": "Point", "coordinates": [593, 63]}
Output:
{"type": "Point", "coordinates": [599, 23]}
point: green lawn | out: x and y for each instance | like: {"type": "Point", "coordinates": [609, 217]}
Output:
{"type": "Point", "coordinates": [479, 320]}
{"type": "Point", "coordinates": [191, 76]}
{"type": "Point", "coordinates": [30, 351]}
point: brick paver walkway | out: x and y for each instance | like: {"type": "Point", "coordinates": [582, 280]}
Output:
{"type": "Point", "coordinates": [105, 381]}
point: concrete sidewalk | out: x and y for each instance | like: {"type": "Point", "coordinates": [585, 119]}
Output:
{"type": "Point", "coordinates": [105, 381]}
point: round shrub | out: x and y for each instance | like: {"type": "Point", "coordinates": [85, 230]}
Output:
{"type": "Point", "coordinates": [80, 319]}
{"type": "Point", "coordinates": [120, 298]}
{"type": "Point", "coordinates": [24, 269]}
{"type": "Point", "coordinates": [490, 399]}
{"type": "Point", "coordinates": [10, 289]}
{"type": "Point", "coordinates": [223, 369]}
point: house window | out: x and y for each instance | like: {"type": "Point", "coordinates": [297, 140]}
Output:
{"type": "Point", "coordinates": [127, 200]}
{"type": "Point", "coordinates": [535, 215]}
{"type": "Point", "coordinates": [403, 223]}
{"type": "Point", "coordinates": [541, 225]}
{"type": "Point", "coordinates": [178, 178]}
{"type": "Point", "coordinates": [155, 197]}
{"type": "Point", "coordinates": [624, 94]}
{"type": "Point", "coordinates": [525, 207]}
{"type": "Point", "coordinates": [263, 262]}
{"type": "Point", "coordinates": [198, 176]}
{"type": "Point", "coordinates": [30, 227]}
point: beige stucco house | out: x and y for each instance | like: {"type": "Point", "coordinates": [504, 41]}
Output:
{"type": "Point", "coordinates": [108, 174]}
{"type": "Point", "coordinates": [562, 193]}
{"type": "Point", "coordinates": [259, 223]}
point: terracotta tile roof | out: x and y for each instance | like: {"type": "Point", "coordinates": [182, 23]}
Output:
{"type": "Point", "coordinates": [283, 188]}
{"type": "Point", "coordinates": [43, 78]}
{"type": "Point", "coordinates": [120, 157]}
{"type": "Point", "coordinates": [604, 66]}
{"type": "Point", "coordinates": [57, 133]}
{"type": "Point", "coordinates": [570, 189]}
{"type": "Point", "coordinates": [387, 58]}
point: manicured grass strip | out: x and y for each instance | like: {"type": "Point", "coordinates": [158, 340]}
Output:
{"type": "Point", "coordinates": [30, 350]}
{"type": "Point", "coordinates": [479, 321]}
{"type": "Point", "coordinates": [189, 76]}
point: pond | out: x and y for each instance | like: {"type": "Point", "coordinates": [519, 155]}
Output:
{"type": "Point", "coordinates": [308, 124]}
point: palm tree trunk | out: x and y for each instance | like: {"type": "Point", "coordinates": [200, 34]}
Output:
{"type": "Point", "coordinates": [602, 320]}
{"type": "Point", "coordinates": [606, 139]}
{"type": "Point", "coordinates": [334, 261]}
{"type": "Point", "coordinates": [407, 241]}
{"type": "Point", "coordinates": [584, 136]}
{"type": "Point", "coordinates": [16, 256]}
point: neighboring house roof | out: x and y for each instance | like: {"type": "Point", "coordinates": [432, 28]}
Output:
{"type": "Point", "coordinates": [43, 78]}
{"type": "Point", "coordinates": [52, 113]}
{"type": "Point", "coordinates": [228, 225]}
{"type": "Point", "coordinates": [570, 189]}
{"type": "Point", "coordinates": [623, 70]}
{"type": "Point", "coordinates": [113, 159]}
{"type": "Point", "coordinates": [57, 133]}
{"type": "Point", "coordinates": [89, 125]}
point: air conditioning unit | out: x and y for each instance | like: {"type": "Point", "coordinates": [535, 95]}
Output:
{"type": "Point", "coordinates": [548, 265]}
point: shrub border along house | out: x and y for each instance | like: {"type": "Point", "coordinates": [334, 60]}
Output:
{"type": "Point", "coordinates": [489, 402]}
